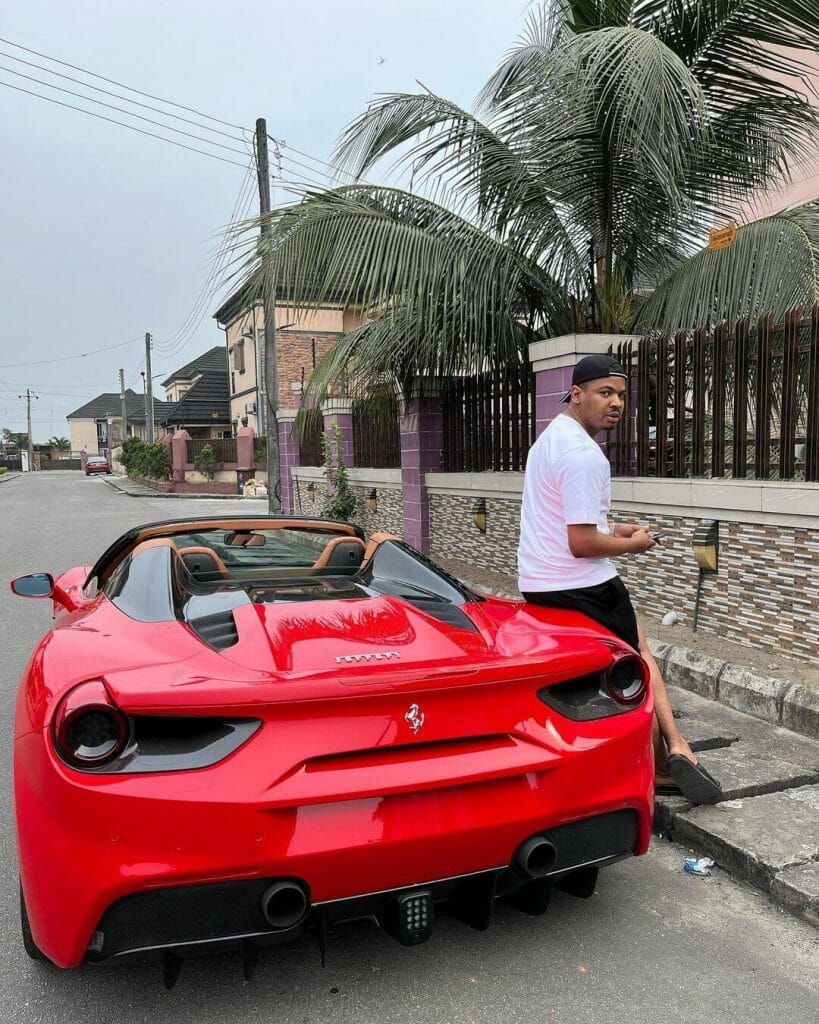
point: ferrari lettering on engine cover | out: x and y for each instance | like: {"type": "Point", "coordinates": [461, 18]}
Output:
{"type": "Point", "coordinates": [357, 659]}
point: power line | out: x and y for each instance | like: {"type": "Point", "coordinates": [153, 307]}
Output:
{"type": "Point", "coordinates": [112, 120]}
{"type": "Point", "coordinates": [116, 95]}
{"type": "Point", "coordinates": [80, 355]}
{"type": "Point", "coordinates": [121, 110]}
{"type": "Point", "coordinates": [159, 99]}
{"type": "Point", "coordinates": [120, 85]}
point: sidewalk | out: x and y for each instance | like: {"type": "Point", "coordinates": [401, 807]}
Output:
{"type": "Point", "coordinates": [766, 828]}
{"type": "Point", "coordinates": [9, 476]}
{"type": "Point", "coordinates": [135, 490]}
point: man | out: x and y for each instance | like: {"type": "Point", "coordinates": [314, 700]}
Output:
{"type": "Point", "coordinates": [566, 547]}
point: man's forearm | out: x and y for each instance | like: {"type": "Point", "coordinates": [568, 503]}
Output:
{"type": "Point", "coordinates": [599, 545]}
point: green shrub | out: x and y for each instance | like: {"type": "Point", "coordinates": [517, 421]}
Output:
{"type": "Point", "coordinates": [3, 469]}
{"type": "Point", "coordinates": [141, 459]}
{"type": "Point", "coordinates": [260, 452]}
{"type": "Point", "coordinates": [339, 502]}
{"type": "Point", "coordinates": [205, 462]}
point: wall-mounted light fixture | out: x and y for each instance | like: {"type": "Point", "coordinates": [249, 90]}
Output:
{"type": "Point", "coordinates": [372, 501]}
{"type": "Point", "coordinates": [705, 544]}
{"type": "Point", "coordinates": [479, 514]}
{"type": "Point", "coordinates": [311, 491]}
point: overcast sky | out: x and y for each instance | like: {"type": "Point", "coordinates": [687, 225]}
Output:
{"type": "Point", "coordinates": [106, 233]}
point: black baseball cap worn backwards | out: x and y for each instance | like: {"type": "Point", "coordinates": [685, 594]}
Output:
{"type": "Point", "coordinates": [594, 368]}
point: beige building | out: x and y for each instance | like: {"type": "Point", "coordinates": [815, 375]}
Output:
{"type": "Point", "coordinates": [302, 338]}
{"type": "Point", "coordinates": [804, 184]}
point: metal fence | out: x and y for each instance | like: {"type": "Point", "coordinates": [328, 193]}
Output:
{"type": "Point", "coordinates": [224, 448]}
{"type": "Point", "coordinates": [310, 441]}
{"type": "Point", "coordinates": [376, 438]}
{"type": "Point", "coordinates": [741, 403]}
{"type": "Point", "coordinates": [489, 420]}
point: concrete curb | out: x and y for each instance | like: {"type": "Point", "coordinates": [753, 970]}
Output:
{"type": "Point", "coordinates": [9, 476]}
{"type": "Point", "coordinates": [775, 701]}
{"type": "Point", "coordinates": [141, 491]}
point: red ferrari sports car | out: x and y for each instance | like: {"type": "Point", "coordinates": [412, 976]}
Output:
{"type": "Point", "coordinates": [241, 728]}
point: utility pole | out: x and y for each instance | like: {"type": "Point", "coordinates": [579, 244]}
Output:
{"type": "Point", "coordinates": [123, 405]}
{"type": "Point", "coordinates": [149, 392]}
{"type": "Point", "coordinates": [28, 397]}
{"type": "Point", "coordinates": [271, 373]}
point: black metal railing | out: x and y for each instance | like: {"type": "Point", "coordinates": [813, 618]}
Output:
{"type": "Point", "coordinates": [741, 403]}
{"type": "Point", "coordinates": [489, 420]}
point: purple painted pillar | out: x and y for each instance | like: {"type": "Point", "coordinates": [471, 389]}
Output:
{"type": "Point", "coordinates": [340, 412]}
{"type": "Point", "coordinates": [421, 424]}
{"type": "Point", "coordinates": [288, 455]}
{"type": "Point", "coordinates": [179, 455]}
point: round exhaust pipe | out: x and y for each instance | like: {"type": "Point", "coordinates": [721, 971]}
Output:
{"type": "Point", "coordinates": [535, 857]}
{"type": "Point", "coordinates": [284, 904]}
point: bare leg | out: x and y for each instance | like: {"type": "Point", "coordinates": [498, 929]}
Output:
{"type": "Point", "coordinates": [667, 737]}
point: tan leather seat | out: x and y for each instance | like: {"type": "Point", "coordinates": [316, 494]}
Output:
{"type": "Point", "coordinates": [375, 539]}
{"type": "Point", "coordinates": [202, 560]}
{"type": "Point", "coordinates": [341, 553]}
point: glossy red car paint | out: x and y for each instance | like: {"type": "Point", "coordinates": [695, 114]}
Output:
{"type": "Point", "coordinates": [337, 787]}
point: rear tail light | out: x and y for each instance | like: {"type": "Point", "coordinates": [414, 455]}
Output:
{"type": "Point", "coordinates": [92, 734]}
{"type": "Point", "coordinates": [626, 680]}
{"type": "Point", "coordinates": [89, 729]}
{"type": "Point", "coordinates": [612, 691]}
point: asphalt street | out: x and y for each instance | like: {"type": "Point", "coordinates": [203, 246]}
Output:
{"type": "Point", "coordinates": [653, 945]}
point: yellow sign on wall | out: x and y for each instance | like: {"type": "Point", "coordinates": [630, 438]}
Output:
{"type": "Point", "coordinates": [722, 238]}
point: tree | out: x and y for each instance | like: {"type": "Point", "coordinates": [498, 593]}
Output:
{"type": "Point", "coordinates": [15, 441]}
{"type": "Point", "coordinates": [579, 195]}
{"type": "Point", "coordinates": [59, 444]}
{"type": "Point", "coordinates": [205, 462]}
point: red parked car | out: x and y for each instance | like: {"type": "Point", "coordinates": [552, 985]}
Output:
{"type": "Point", "coordinates": [241, 728]}
{"type": "Point", "coordinates": [96, 464]}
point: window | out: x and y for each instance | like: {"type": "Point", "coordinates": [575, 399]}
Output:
{"type": "Point", "coordinates": [239, 356]}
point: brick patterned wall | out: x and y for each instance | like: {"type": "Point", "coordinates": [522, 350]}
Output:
{"type": "Point", "coordinates": [388, 517]}
{"type": "Point", "coordinates": [294, 351]}
{"type": "Point", "coordinates": [455, 535]}
{"type": "Point", "coordinates": [766, 593]}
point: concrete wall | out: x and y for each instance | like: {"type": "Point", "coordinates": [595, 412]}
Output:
{"type": "Point", "coordinates": [766, 593]}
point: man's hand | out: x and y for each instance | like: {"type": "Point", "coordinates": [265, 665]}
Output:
{"type": "Point", "coordinates": [624, 529]}
{"type": "Point", "coordinates": [585, 541]}
{"type": "Point", "coordinates": [640, 539]}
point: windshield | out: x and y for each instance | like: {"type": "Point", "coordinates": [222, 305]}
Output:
{"type": "Point", "coordinates": [213, 555]}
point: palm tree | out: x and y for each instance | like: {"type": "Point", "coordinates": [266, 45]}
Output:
{"type": "Point", "coordinates": [59, 444]}
{"type": "Point", "coordinates": [579, 193]}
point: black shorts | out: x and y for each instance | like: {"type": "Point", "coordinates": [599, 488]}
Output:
{"type": "Point", "coordinates": [607, 603]}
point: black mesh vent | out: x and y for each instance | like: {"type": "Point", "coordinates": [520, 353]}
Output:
{"type": "Point", "coordinates": [218, 631]}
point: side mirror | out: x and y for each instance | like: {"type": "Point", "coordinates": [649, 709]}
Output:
{"type": "Point", "coordinates": [36, 584]}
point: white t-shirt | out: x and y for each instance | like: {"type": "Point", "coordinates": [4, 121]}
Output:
{"type": "Point", "coordinates": [567, 481]}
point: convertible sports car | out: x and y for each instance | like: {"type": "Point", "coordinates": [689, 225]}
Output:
{"type": "Point", "coordinates": [242, 728]}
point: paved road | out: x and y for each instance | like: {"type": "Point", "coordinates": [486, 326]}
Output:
{"type": "Point", "coordinates": [654, 945]}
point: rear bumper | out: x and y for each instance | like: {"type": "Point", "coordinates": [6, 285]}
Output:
{"type": "Point", "coordinates": [141, 837]}
{"type": "Point", "coordinates": [189, 920]}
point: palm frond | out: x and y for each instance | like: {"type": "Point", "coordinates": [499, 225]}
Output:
{"type": "Point", "coordinates": [493, 176]}
{"type": "Point", "coordinates": [380, 248]}
{"type": "Point", "coordinates": [772, 266]}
